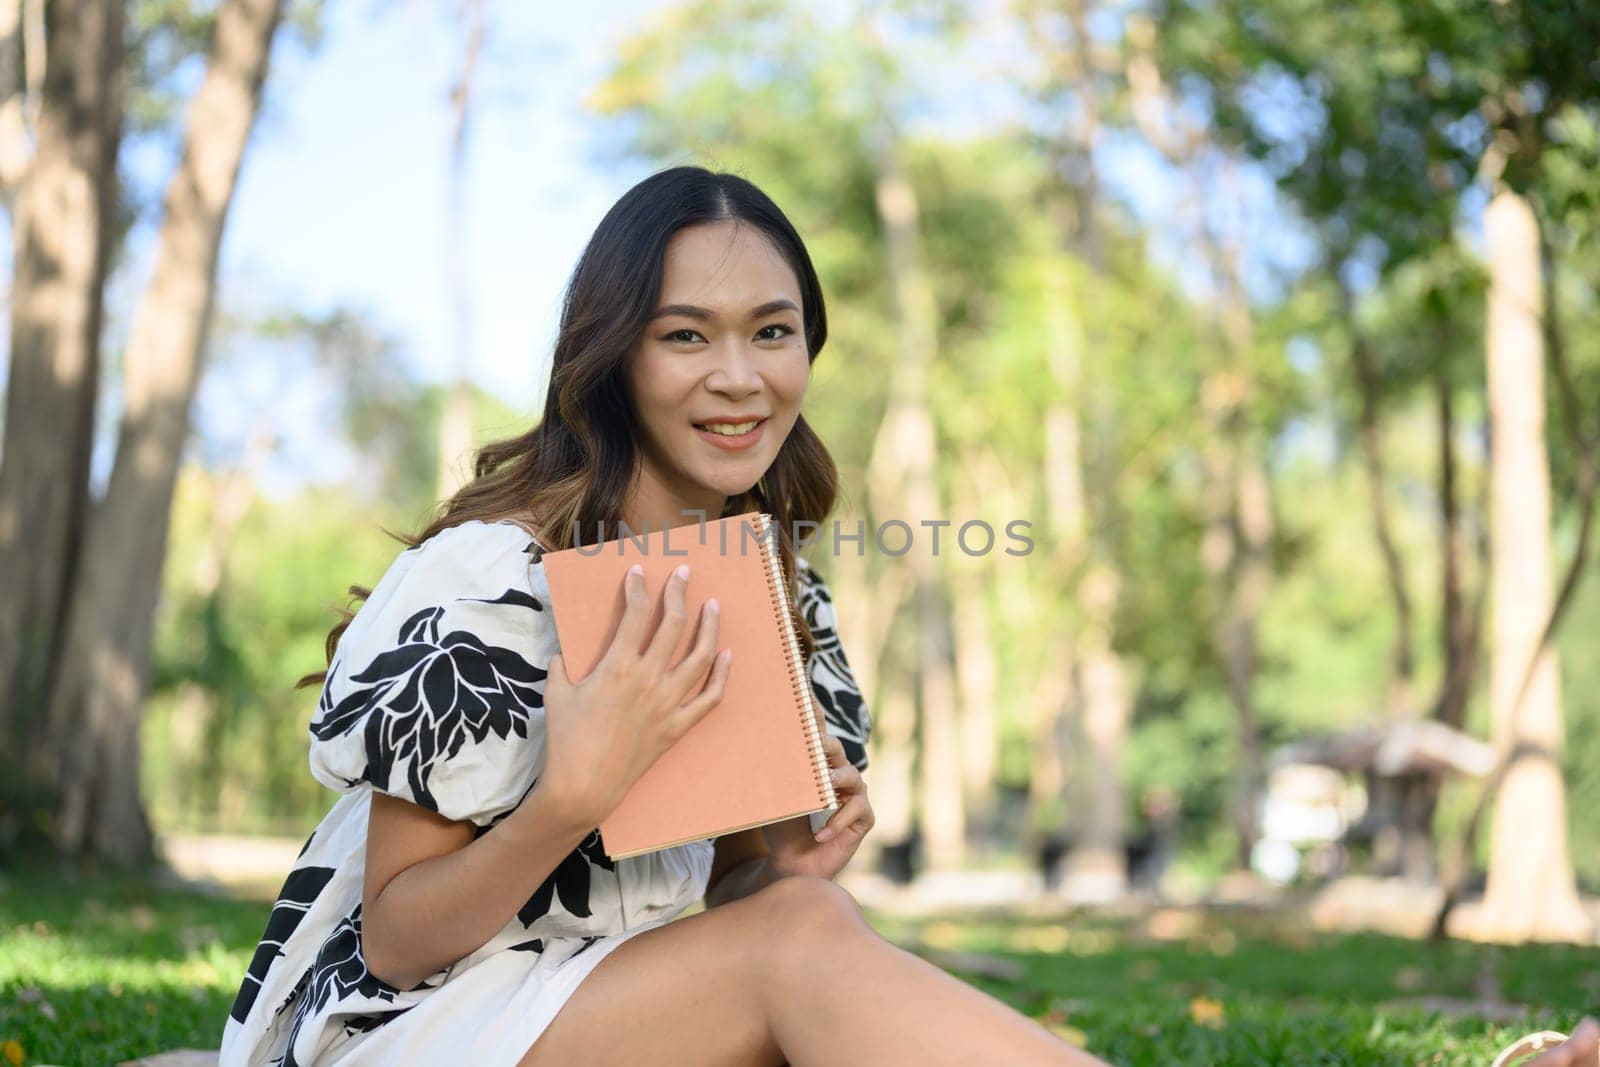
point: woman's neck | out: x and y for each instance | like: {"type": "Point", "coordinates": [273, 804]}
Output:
{"type": "Point", "coordinates": [649, 511]}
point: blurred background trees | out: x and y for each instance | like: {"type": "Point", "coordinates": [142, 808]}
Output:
{"type": "Point", "coordinates": [1273, 324]}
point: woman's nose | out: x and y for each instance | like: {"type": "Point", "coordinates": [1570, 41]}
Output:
{"type": "Point", "coordinates": [736, 371]}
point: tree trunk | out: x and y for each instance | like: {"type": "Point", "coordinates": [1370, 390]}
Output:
{"type": "Point", "coordinates": [1459, 633]}
{"type": "Point", "coordinates": [455, 424]}
{"type": "Point", "coordinates": [96, 717]}
{"type": "Point", "coordinates": [1247, 600]}
{"type": "Point", "coordinates": [1402, 674]}
{"type": "Point", "coordinates": [1098, 688]}
{"type": "Point", "coordinates": [867, 609]}
{"type": "Point", "coordinates": [902, 487]}
{"type": "Point", "coordinates": [15, 150]}
{"type": "Point", "coordinates": [977, 675]}
{"type": "Point", "coordinates": [1531, 891]}
{"type": "Point", "coordinates": [1236, 546]}
{"type": "Point", "coordinates": [62, 226]}
{"type": "Point", "coordinates": [1097, 869]}
{"type": "Point", "coordinates": [977, 678]}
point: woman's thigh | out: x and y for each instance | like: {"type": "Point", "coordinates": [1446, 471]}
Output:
{"type": "Point", "coordinates": [695, 991]}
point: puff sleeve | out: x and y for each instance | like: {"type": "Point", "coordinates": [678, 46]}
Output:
{"type": "Point", "coordinates": [833, 686]}
{"type": "Point", "coordinates": [436, 691]}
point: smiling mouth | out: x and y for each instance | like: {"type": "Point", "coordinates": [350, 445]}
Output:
{"type": "Point", "coordinates": [729, 429]}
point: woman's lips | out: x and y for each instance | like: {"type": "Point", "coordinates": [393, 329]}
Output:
{"type": "Point", "coordinates": [730, 443]}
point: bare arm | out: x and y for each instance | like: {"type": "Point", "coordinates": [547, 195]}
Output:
{"type": "Point", "coordinates": [434, 895]}
{"type": "Point", "coordinates": [739, 867]}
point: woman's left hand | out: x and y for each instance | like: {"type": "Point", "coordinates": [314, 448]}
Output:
{"type": "Point", "coordinates": [795, 850]}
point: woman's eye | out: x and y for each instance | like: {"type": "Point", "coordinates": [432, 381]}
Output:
{"type": "Point", "coordinates": [776, 326]}
{"type": "Point", "coordinates": [679, 335]}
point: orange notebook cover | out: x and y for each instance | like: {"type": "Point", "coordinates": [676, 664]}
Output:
{"type": "Point", "coordinates": [755, 758]}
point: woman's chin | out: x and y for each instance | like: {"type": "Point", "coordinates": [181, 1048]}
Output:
{"type": "Point", "coordinates": [731, 488]}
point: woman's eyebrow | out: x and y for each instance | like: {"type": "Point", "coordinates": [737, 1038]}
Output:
{"type": "Point", "coordinates": [693, 312]}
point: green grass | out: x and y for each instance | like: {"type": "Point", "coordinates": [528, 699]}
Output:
{"type": "Point", "coordinates": [94, 970]}
{"type": "Point", "coordinates": [1240, 990]}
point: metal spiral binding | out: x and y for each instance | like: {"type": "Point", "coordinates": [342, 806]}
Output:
{"type": "Point", "coordinates": [819, 761]}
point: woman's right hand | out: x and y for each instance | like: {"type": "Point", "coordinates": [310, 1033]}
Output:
{"type": "Point", "coordinates": [603, 733]}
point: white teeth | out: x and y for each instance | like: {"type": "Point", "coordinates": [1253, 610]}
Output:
{"type": "Point", "coordinates": [732, 429]}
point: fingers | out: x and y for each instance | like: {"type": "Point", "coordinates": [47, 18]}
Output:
{"type": "Point", "coordinates": [846, 780]}
{"type": "Point", "coordinates": [855, 815]}
{"type": "Point", "coordinates": [674, 617]}
{"type": "Point", "coordinates": [833, 748]}
{"type": "Point", "coordinates": [690, 675]}
{"type": "Point", "coordinates": [707, 698]}
{"type": "Point", "coordinates": [629, 639]}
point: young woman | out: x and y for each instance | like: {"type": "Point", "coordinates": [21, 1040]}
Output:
{"type": "Point", "coordinates": [456, 904]}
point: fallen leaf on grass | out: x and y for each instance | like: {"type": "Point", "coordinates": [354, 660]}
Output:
{"type": "Point", "coordinates": [12, 1051]}
{"type": "Point", "coordinates": [1203, 1011]}
{"type": "Point", "coordinates": [1056, 1023]}
{"type": "Point", "coordinates": [1048, 939]}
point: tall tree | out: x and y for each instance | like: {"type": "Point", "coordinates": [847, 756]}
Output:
{"type": "Point", "coordinates": [95, 709]}
{"type": "Point", "coordinates": [904, 489]}
{"type": "Point", "coordinates": [455, 428]}
{"type": "Point", "coordinates": [1236, 497]}
{"type": "Point", "coordinates": [1081, 483]}
{"type": "Point", "coordinates": [62, 228]}
{"type": "Point", "coordinates": [1531, 891]}
{"type": "Point", "coordinates": [1455, 95]}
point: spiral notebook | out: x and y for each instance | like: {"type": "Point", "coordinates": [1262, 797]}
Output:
{"type": "Point", "coordinates": [755, 758]}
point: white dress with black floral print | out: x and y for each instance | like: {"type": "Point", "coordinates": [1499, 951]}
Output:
{"type": "Point", "coordinates": [435, 695]}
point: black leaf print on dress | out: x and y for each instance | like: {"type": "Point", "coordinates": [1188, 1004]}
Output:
{"type": "Point", "coordinates": [569, 882]}
{"type": "Point", "coordinates": [340, 973]}
{"type": "Point", "coordinates": [299, 891]}
{"type": "Point", "coordinates": [421, 700]}
{"type": "Point", "coordinates": [535, 945]}
{"type": "Point", "coordinates": [833, 685]}
{"type": "Point", "coordinates": [514, 596]}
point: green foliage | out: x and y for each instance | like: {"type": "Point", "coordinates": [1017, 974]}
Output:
{"type": "Point", "coordinates": [226, 732]}
{"type": "Point", "coordinates": [1373, 121]}
{"type": "Point", "coordinates": [98, 969]}
{"type": "Point", "coordinates": [1264, 992]}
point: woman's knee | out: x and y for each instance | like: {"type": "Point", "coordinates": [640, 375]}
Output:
{"type": "Point", "coordinates": [805, 918]}
{"type": "Point", "coordinates": [802, 898]}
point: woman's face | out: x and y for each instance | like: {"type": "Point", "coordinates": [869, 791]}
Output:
{"type": "Point", "coordinates": [726, 348]}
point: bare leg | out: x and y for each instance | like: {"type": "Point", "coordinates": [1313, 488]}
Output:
{"type": "Point", "coordinates": [1582, 1049]}
{"type": "Point", "coordinates": [791, 972]}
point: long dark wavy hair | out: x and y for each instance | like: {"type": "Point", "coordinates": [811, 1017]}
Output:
{"type": "Point", "coordinates": [570, 471]}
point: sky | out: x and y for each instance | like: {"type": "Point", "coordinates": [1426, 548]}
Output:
{"type": "Point", "coordinates": [342, 198]}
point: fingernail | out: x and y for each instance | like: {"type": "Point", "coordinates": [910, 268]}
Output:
{"type": "Point", "coordinates": [636, 571]}
{"type": "Point", "coordinates": [682, 572]}
{"type": "Point", "coordinates": [712, 605]}
{"type": "Point", "coordinates": [824, 834]}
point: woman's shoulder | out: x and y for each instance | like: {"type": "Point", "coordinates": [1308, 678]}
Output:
{"type": "Point", "coordinates": [444, 662]}
{"type": "Point", "coordinates": [461, 561]}
{"type": "Point", "coordinates": [476, 536]}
